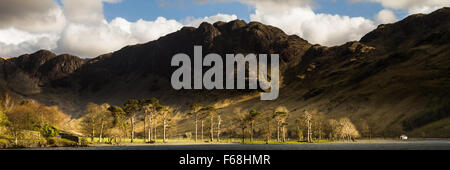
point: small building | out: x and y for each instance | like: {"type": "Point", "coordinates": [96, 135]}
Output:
{"type": "Point", "coordinates": [404, 137]}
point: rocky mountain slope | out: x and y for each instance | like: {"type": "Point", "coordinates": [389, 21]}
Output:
{"type": "Point", "coordinates": [396, 79]}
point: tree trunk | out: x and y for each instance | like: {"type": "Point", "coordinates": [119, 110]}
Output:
{"type": "Point", "coordinates": [196, 128]}
{"type": "Point", "coordinates": [132, 129]}
{"type": "Point", "coordinates": [155, 134]}
{"type": "Point", "coordinates": [320, 133]}
{"type": "Point", "coordinates": [211, 130]}
{"type": "Point", "coordinates": [93, 134]}
{"type": "Point", "coordinates": [251, 131]}
{"type": "Point", "coordinates": [16, 139]}
{"type": "Point", "coordinates": [101, 132]}
{"type": "Point", "coordinates": [309, 131]}
{"type": "Point", "coordinates": [150, 125]}
{"type": "Point", "coordinates": [202, 130]}
{"type": "Point", "coordinates": [164, 131]}
{"type": "Point", "coordinates": [278, 131]}
{"type": "Point", "coordinates": [145, 127]}
{"type": "Point", "coordinates": [269, 132]}
{"type": "Point", "coordinates": [218, 129]}
{"type": "Point", "coordinates": [243, 134]}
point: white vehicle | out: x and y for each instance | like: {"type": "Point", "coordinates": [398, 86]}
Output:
{"type": "Point", "coordinates": [404, 137]}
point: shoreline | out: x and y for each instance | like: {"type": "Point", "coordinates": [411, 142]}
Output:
{"type": "Point", "coordinates": [361, 144]}
{"type": "Point", "coordinates": [374, 141]}
{"type": "Point", "coordinates": [374, 145]}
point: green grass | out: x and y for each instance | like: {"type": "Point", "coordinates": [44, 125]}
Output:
{"type": "Point", "coordinates": [286, 142]}
{"type": "Point", "coordinates": [58, 142]}
{"type": "Point", "coordinates": [4, 143]}
{"type": "Point", "coordinates": [205, 141]}
{"type": "Point", "coordinates": [30, 141]}
{"type": "Point", "coordinates": [140, 140]}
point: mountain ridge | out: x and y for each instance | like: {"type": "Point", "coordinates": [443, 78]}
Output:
{"type": "Point", "coordinates": [390, 78]}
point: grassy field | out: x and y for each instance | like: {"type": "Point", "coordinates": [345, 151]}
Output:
{"type": "Point", "coordinates": [192, 141]}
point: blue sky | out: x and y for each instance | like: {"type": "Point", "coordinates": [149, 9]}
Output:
{"type": "Point", "coordinates": [133, 10]}
{"type": "Point", "coordinates": [344, 7]}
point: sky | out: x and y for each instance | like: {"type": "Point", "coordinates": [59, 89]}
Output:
{"type": "Point", "coordinates": [89, 28]}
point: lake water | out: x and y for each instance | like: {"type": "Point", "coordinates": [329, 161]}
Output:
{"type": "Point", "coordinates": [388, 145]}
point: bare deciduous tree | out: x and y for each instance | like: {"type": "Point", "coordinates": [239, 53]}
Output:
{"type": "Point", "coordinates": [149, 107]}
{"type": "Point", "coordinates": [318, 125]}
{"type": "Point", "coordinates": [96, 120]}
{"type": "Point", "coordinates": [219, 122]}
{"type": "Point", "coordinates": [18, 121]}
{"type": "Point", "coordinates": [120, 127]}
{"type": "Point", "coordinates": [366, 129]}
{"type": "Point", "coordinates": [131, 107]}
{"type": "Point", "coordinates": [210, 112]}
{"type": "Point", "coordinates": [300, 124]}
{"type": "Point", "coordinates": [280, 115]}
{"type": "Point", "coordinates": [105, 120]}
{"type": "Point", "coordinates": [166, 115]}
{"type": "Point", "coordinates": [252, 116]}
{"type": "Point", "coordinates": [268, 118]}
{"type": "Point", "coordinates": [242, 120]}
{"type": "Point", "coordinates": [333, 129]}
{"type": "Point", "coordinates": [348, 130]}
{"type": "Point", "coordinates": [308, 120]}
{"type": "Point", "coordinates": [195, 111]}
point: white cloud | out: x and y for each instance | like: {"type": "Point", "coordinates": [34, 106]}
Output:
{"type": "Point", "coordinates": [112, 1]}
{"type": "Point", "coordinates": [412, 6]}
{"type": "Point", "coordinates": [91, 40]}
{"type": "Point", "coordinates": [279, 3]}
{"type": "Point", "coordinates": [94, 40]}
{"type": "Point", "coordinates": [88, 34]}
{"type": "Point", "coordinates": [195, 22]}
{"type": "Point", "coordinates": [324, 29]}
{"type": "Point", "coordinates": [31, 16]}
{"type": "Point", "coordinates": [81, 28]}
{"type": "Point", "coordinates": [14, 42]}
{"type": "Point", "coordinates": [83, 11]}
{"type": "Point", "coordinates": [385, 16]}
{"type": "Point", "coordinates": [298, 17]}
{"type": "Point", "coordinates": [14, 36]}
{"type": "Point", "coordinates": [145, 31]}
